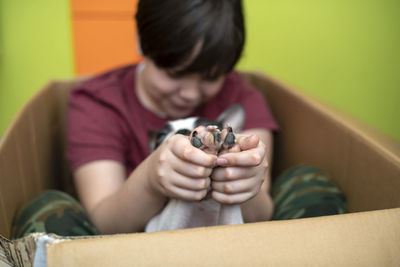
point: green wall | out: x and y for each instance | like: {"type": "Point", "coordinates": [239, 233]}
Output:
{"type": "Point", "coordinates": [343, 52]}
{"type": "Point", "coordinates": [35, 46]}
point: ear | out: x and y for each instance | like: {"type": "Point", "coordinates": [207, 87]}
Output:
{"type": "Point", "coordinates": [235, 116]}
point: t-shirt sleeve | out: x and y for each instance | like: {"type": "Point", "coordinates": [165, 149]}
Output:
{"type": "Point", "coordinates": [258, 113]}
{"type": "Point", "coordinates": [93, 131]}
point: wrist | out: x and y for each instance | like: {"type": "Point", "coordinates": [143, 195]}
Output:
{"type": "Point", "coordinates": [149, 182]}
{"type": "Point", "coordinates": [259, 208]}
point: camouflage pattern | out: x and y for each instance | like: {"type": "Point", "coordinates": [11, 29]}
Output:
{"type": "Point", "coordinates": [52, 212]}
{"type": "Point", "coordinates": [306, 191]}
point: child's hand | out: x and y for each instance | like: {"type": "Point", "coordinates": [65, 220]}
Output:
{"type": "Point", "coordinates": [241, 173]}
{"type": "Point", "coordinates": [179, 170]}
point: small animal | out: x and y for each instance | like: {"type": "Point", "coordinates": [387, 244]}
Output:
{"type": "Point", "coordinates": [212, 137]}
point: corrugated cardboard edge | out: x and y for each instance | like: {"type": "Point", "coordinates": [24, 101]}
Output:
{"type": "Point", "coordinates": [388, 147]}
{"type": "Point", "coordinates": [19, 252]}
{"type": "Point", "coordinates": [5, 253]}
{"type": "Point", "coordinates": [358, 239]}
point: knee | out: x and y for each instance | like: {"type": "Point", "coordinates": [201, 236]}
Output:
{"type": "Point", "coordinates": [306, 191]}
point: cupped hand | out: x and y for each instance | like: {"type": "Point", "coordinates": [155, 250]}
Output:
{"type": "Point", "coordinates": [179, 170]}
{"type": "Point", "coordinates": [240, 174]}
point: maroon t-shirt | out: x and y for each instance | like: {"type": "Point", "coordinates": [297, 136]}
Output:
{"type": "Point", "coordinates": [106, 120]}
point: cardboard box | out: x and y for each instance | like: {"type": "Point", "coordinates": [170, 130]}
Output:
{"type": "Point", "coordinates": [365, 164]}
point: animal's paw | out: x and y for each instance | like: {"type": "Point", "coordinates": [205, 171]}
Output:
{"type": "Point", "coordinates": [211, 140]}
{"type": "Point", "coordinates": [230, 142]}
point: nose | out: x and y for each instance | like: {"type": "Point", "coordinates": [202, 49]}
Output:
{"type": "Point", "coordinates": [190, 91]}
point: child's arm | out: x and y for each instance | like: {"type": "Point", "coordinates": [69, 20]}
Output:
{"type": "Point", "coordinates": [245, 178]}
{"type": "Point", "coordinates": [119, 205]}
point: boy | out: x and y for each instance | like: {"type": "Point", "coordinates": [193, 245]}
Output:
{"type": "Point", "coordinates": [190, 48]}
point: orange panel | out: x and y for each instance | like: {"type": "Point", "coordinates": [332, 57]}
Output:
{"type": "Point", "coordinates": [104, 44]}
{"type": "Point", "coordinates": [104, 5]}
{"type": "Point", "coordinates": [104, 34]}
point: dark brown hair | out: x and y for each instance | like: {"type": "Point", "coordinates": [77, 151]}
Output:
{"type": "Point", "coordinates": [169, 31]}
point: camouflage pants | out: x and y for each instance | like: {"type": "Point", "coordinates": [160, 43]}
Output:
{"type": "Point", "coordinates": [306, 191]}
{"type": "Point", "coordinates": [52, 212]}
{"type": "Point", "coordinates": [298, 193]}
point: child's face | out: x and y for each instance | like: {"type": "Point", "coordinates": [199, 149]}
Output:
{"type": "Point", "coordinates": [174, 97]}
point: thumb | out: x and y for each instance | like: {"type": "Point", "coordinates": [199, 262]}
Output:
{"type": "Point", "coordinates": [248, 142]}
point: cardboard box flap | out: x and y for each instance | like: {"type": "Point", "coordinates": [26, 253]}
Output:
{"type": "Point", "coordinates": [364, 162]}
{"type": "Point", "coordinates": [268, 85]}
{"type": "Point", "coordinates": [359, 239]}
{"type": "Point", "coordinates": [32, 156]}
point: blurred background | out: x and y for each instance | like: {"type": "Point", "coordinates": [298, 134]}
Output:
{"type": "Point", "coordinates": [346, 53]}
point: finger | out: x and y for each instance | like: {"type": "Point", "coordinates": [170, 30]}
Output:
{"type": "Point", "coordinates": [252, 157]}
{"type": "Point", "coordinates": [183, 167]}
{"type": "Point", "coordinates": [232, 173]}
{"type": "Point", "coordinates": [235, 148]}
{"type": "Point", "coordinates": [193, 184]}
{"type": "Point", "coordinates": [237, 186]}
{"type": "Point", "coordinates": [247, 142]}
{"type": "Point", "coordinates": [231, 199]}
{"type": "Point", "coordinates": [185, 151]}
{"type": "Point", "coordinates": [188, 195]}
{"type": "Point", "coordinates": [191, 170]}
